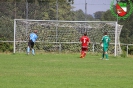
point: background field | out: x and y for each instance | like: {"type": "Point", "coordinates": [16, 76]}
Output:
{"type": "Point", "coordinates": [64, 71]}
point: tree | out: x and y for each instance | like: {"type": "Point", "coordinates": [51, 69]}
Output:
{"type": "Point", "coordinates": [98, 14]}
{"type": "Point", "coordinates": [107, 16]}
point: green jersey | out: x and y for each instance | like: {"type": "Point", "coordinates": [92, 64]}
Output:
{"type": "Point", "coordinates": [105, 41]}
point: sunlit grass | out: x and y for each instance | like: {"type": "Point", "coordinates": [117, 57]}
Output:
{"type": "Point", "coordinates": [64, 71]}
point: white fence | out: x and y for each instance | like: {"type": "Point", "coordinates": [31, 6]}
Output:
{"type": "Point", "coordinates": [91, 48]}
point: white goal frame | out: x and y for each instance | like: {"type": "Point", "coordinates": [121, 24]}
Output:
{"type": "Point", "coordinates": [57, 21]}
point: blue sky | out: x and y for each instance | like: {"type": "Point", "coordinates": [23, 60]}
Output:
{"type": "Point", "coordinates": [92, 5]}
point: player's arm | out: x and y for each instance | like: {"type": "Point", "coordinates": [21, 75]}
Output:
{"type": "Point", "coordinates": [36, 37]}
{"type": "Point", "coordinates": [109, 42]}
{"type": "Point", "coordinates": [28, 37]}
{"type": "Point", "coordinates": [101, 41]}
{"type": "Point", "coordinates": [80, 40]}
{"type": "Point", "coordinates": [88, 41]}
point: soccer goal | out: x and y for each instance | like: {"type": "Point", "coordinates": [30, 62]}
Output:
{"type": "Point", "coordinates": [63, 36]}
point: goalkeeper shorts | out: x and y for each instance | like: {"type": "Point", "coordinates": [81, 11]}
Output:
{"type": "Point", "coordinates": [31, 43]}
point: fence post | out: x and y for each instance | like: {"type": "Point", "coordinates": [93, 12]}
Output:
{"type": "Point", "coordinates": [59, 47]}
{"type": "Point", "coordinates": [14, 41]}
{"type": "Point", "coordinates": [116, 39]}
{"type": "Point", "coordinates": [127, 50]}
{"type": "Point", "coordinates": [93, 47]}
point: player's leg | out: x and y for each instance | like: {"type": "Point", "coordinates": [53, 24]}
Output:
{"type": "Point", "coordinates": [28, 48]}
{"type": "Point", "coordinates": [33, 51]}
{"type": "Point", "coordinates": [103, 53]}
{"type": "Point", "coordinates": [82, 52]}
{"type": "Point", "coordinates": [32, 48]}
{"type": "Point", "coordinates": [106, 53]}
{"type": "Point", "coordinates": [85, 51]}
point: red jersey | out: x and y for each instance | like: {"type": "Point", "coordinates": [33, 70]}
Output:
{"type": "Point", "coordinates": [84, 40]}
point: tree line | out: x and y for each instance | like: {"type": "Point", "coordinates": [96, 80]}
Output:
{"type": "Point", "coordinates": [47, 10]}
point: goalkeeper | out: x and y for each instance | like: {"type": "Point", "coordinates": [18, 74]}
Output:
{"type": "Point", "coordinates": [32, 38]}
{"type": "Point", "coordinates": [105, 42]}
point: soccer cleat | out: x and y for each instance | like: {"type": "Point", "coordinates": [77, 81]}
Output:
{"type": "Point", "coordinates": [28, 53]}
{"type": "Point", "coordinates": [101, 58]}
{"type": "Point", "coordinates": [33, 52]}
{"type": "Point", "coordinates": [28, 49]}
{"type": "Point", "coordinates": [81, 56]}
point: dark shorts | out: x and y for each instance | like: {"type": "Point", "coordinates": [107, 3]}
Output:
{"type": "Point", "coordinates": [31, 44]}
{"type": "Point", "coordinates": [84, 48]}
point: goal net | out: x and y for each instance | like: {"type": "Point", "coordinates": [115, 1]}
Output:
{"type": "Point", "coordinates": [63, 36]}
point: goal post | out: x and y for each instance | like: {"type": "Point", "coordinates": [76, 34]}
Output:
{"type": "Point", "coordinates": [64, 36]}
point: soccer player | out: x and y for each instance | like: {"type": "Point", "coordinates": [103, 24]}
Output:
{"type": "Point", "coordinates": [105, 42]}
{"type": "Point", "coordinates": [32, 38]}
{"type": "Point", "coordinates": [84, 42]}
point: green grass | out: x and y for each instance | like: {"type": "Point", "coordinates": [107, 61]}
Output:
{"type": "Point", "coordinates": [64, 71]}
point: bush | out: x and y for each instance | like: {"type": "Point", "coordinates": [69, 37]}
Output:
{"type": "Point", "coordinates": [130, 49]}
{"type": "Point", "coordinates": [124, 54]}
{"type": "Point", "coordinates": [5, 46]}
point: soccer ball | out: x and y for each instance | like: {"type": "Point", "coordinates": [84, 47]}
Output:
{"type": "Point", "coordinates": [101, 44]}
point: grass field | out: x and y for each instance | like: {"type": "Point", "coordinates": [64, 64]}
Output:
{"type": "Point", "coordinates": [64, 71]}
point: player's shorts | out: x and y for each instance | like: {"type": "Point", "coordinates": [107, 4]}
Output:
{"type": "Point", "coordinates": [105, 49]}
{"type": "Point", "coordinates": [31, 43]}
{"type": "Point", "coordinates": [84, 48]}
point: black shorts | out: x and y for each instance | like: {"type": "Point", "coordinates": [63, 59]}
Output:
{"type": "Point", "coordinates": [31, 44]}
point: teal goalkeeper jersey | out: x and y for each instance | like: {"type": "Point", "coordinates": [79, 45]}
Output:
{"type": "Point", "coordinates": [105, 41]}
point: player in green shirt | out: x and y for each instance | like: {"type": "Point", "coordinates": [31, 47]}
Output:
{"type": "Point", "coordinates": [105, 42]}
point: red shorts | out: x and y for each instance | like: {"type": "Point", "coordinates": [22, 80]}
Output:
{"type": "Point", "coordinates": [84, 48]}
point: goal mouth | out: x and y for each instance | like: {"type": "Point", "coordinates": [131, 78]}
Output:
{"type": "Point", "coordinates": [65, 34]}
